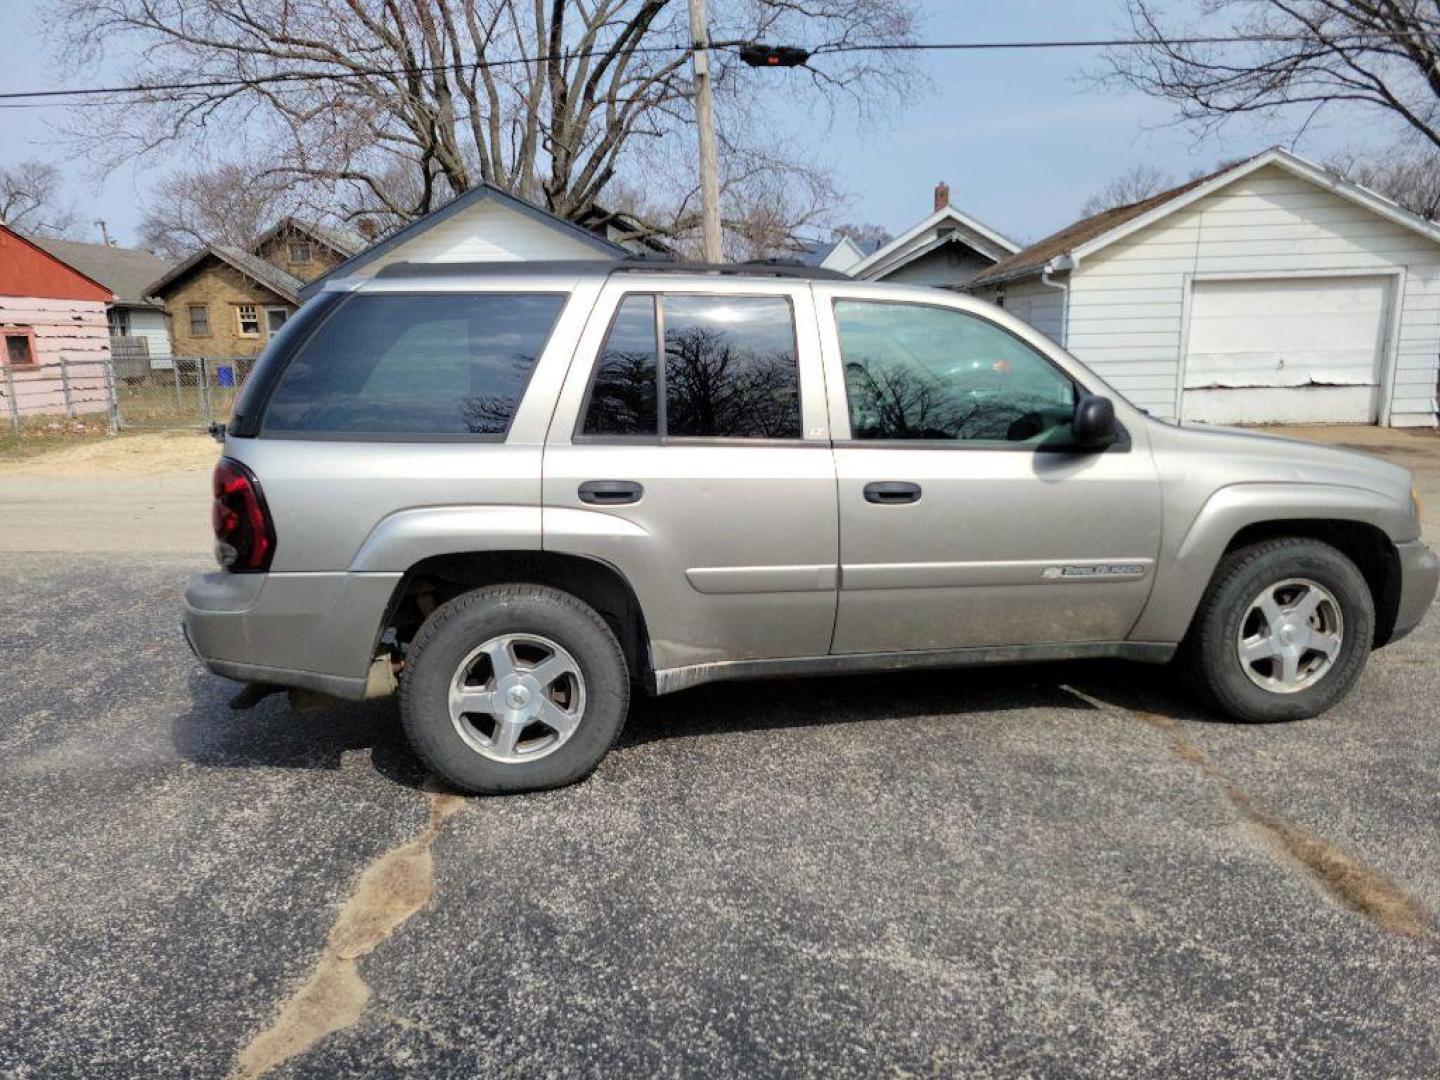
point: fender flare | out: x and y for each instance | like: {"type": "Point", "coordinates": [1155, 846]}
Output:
{"type": "Point", "coordinates": [1188, 561]}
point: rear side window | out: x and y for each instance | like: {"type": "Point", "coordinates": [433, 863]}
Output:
{"type": "Point", "coordinates": [729, 369]}
{"type": "Point", "coordinates": [397, 364]}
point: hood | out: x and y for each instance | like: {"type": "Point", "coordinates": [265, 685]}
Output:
{"type": "Point", "coordinates": [1242, 455]}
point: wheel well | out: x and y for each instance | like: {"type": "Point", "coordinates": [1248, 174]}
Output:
{"type": "Point", "coordinates": [1365, 545]}
{"type": "Point", "coordinates": [433, 581]}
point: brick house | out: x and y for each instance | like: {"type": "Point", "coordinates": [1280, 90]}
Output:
{"type": "Point", "coordinates": [226, 301]}
{"type": "Point", "coordinates": [50, 313]}
{"type": "Point", "coordinates": [304, 250]}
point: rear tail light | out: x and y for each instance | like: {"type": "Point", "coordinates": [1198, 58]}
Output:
{"type": "Point", "coordinates": [244, 533]}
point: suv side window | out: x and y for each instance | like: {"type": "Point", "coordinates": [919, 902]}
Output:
{"type": "Point", "coordinates": [402, 364]}
{"type": "Point", "coordinates": [915, 371]}
{"type": "Point", "coordinates": [730, 369]}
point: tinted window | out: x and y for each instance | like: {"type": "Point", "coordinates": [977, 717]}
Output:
{"type": "Point", "coordinates": [919, 372]}
{"type": "Point", "coordinates": [730, 369]}
{"type": "Point", "coordinates": [389, 364]}
{"type": "Point", "coordinates": [623, 393]}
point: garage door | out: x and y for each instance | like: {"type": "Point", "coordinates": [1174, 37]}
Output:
{"type": "Point", "coordinates": [1301, 350]}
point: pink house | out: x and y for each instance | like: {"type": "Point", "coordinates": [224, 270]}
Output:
{"type": "Point", "coordinates": [49, 311]}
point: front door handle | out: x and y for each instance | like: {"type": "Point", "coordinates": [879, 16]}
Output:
{"type": "Point", "coordinates": [610, 492]}
{"type": "Point", "coordinates": [892, 492]}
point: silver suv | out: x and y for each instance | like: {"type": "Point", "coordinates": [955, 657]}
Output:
{"type": "Point", "coordinates": [511, 493]}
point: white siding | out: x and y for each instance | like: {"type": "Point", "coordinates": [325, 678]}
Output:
{"type": "Point", "coordinates": [486, 232]}
{"type": "Point", "coordinates": [1040, 305]}
{"type": "Point", "coordinates": [1127, 301]}
{"type": "Point", "coordinates": [150, 324]}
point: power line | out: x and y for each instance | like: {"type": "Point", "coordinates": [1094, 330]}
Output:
{"type": "Point", "coordinates": [25, 98]}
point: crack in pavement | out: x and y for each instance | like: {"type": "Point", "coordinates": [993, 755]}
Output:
{"type": "Point", "coordinates": [391, 889]}
{"type": "Point", "coordinates": [1341, 877]}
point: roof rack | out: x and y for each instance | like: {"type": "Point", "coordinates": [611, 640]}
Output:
{"type": "Point", "coordinates": [638, 265]}
{"type": "Point", "coordinates": [786, 268]}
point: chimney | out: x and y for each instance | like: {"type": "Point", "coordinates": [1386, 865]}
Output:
{"type": "Point", "coordinates": [942, 195]}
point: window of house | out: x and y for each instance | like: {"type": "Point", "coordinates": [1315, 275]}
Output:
{"type": "Point", "coordinates": [299, 251]}
{"type": "Point", "coordinates": [19, 346]}
{"type": "Point", "coordinates": [729, 370]}
{"type": "Point", "coordinates": [914, 371]}
{"type": "Point", "coordinates": [249, 320]}
{"type": "Point", "coordinates": [396, 364]}
{"type": "Point", "coordinates": [119, 322]}
{"type": "Point", "coordinates": [199, 320]}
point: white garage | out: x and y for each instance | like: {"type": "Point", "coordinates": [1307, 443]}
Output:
{"type": "Point", "coordinates": [1270, 292]}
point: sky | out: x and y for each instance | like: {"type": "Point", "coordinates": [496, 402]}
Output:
{"type": "Point", "coordinates": [1022, 138]}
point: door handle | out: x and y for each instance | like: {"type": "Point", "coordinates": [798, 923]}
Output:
{"type": "Point", "coordinates": [610, 492]}
{"type": "Point", "coordinates": [892, 492]}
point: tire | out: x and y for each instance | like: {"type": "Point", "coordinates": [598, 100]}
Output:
{"type": "Point", "coordinates": [513, 623]}
{"type": "Point", "coordinates": [1211, 652]}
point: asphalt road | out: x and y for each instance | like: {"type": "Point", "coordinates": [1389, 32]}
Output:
{"type": "Point", "coordinates": [1047, 870]}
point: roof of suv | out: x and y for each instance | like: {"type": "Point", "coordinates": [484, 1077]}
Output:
{"type": "Point", "coordinates": [423, 272]}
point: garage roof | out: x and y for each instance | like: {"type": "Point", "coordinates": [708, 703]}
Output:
{"type": "Point", "coordinates": [1098, 231]}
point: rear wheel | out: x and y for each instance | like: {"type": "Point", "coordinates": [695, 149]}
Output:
{"type": "Point", "coordinates": [1283, 631]}
{"type": "Point", "coordinates": [513, 688]}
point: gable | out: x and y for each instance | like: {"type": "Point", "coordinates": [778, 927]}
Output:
{"type": "Point", "coordinates": [484, 231]}
{"type": "Point", "coordinates": [27, 270]}
{"type": "Point", "coordinates": [946, 225]}
{"type": "Point", "coordinates": [485, 224]}
{"type": "Point", "coordinates": [1268, 218]}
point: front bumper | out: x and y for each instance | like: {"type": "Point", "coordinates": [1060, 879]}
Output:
{"type": "Point", "coordinates": [1419, 578]}
{"type": "Point", "coordinates": [311, 631]}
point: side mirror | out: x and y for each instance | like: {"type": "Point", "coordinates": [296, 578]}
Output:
{"type": "Point", "coordinates": [1094, 423]}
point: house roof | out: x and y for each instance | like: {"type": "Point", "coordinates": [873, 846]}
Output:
{"type": "Point", "coordinates": [479, 192]}
{"type": "Point", "coordinates": [343, 242]}
{"type": "Point", "coordinates": [26, 269]}
{"type": "Point", "coordinates": [124, 271]}
{"type": "Point", "coordinates": [285, 285]}
{"type": "Point", "coordinates": [1089, 235]}
{"type": "Point", "coordinates": [916, 241]}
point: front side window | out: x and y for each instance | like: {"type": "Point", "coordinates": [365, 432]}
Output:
{"type": "Point", "coordinates": [729, 369]}
{"type": "Point", "coordinates": [199, 320]}
{"type": "Point", "coordinates": [397, 364]}
{"type": "Point", "coordinates": [299, 251]}
{"type": "Point", "coordinates": [249, 320]}
{"type": "Point", "coordinates": [914, 371]}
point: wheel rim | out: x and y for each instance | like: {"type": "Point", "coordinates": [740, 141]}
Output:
{"type": "Point", "coordinates": [517, 698]}
{"type": "Point", "coordinates": [1290, 636]}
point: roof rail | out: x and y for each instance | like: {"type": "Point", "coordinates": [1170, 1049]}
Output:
{"type": "Point", "coordinates": [788, 268]}
{"type": "Point", "coordinates": [639, 265]}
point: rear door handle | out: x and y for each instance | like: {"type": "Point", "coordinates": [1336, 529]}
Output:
{"type": "Point", "coordinates": [892, 492]}
{"type": "Point", "coordinates": [610, 492]}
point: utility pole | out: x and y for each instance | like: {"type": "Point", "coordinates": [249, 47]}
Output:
{"type": "Point", "coordinates": [104, 232]}
{"type": "Point", "coordinates": [705, 121]}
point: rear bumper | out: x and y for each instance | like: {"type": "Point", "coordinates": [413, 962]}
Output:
{"type": "Point", "coordinates": [312, 631]}
{"type": "Point", "coordinates": [1419, 577]}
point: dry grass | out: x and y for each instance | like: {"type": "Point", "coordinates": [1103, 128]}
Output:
{"type": "Point", "coordinates": [98, 454]}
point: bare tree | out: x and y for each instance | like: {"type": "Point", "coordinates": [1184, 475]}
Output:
{"type": "Point", "coordinates": [31, 200]}
{"type": "Point", "coordinates": [551, 99]}
{"type": "Point", "coordinates": [862, 233]}
{"type": "Point", "coordinates": [1131, 186]}
{"type": "Point", "coordinates": [226, 204]}
{"type": "Point", "coordinates": [1383, 54]}
{"type": "Point", "coordinates": [1409, 176]}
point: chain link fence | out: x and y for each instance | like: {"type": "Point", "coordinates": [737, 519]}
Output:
{"type": "Point", "coordinates": [124, 391]}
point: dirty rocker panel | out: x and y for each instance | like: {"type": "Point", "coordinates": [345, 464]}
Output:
{"type": "Point", "coordinates": [669, 680]}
